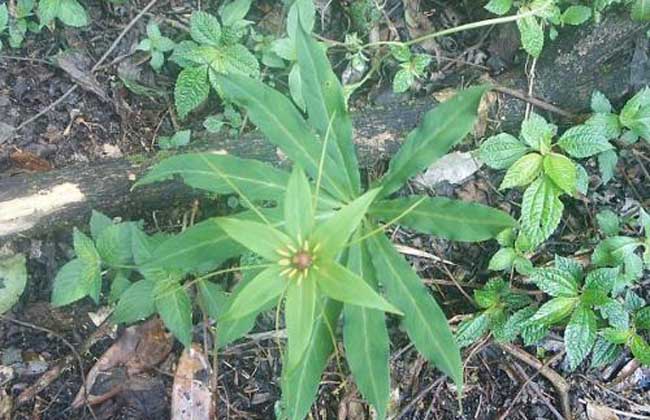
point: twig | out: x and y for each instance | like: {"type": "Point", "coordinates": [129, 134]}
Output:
{"type": "Point", "coordinates": [561, 386]}
{"type": "Point", "coordinates": [94, 68]}
{"type": "Point", "coordinates": [419, 397]}
{"type": "Point", "coordinates": [534, 101]}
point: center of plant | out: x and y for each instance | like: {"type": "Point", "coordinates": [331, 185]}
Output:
{"type": "Point", "coordinates": [301, 260]}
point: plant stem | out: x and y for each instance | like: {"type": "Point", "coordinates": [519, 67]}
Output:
{"type": "Point", "coordinates": [460, 28]}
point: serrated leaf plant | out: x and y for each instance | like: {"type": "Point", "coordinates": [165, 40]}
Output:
{"type": "Point", "coordinates": [156, 45]}
{"type": "Point", "coordinates": [18, 26]}
{"type": "Point", "coordinates": [69, 12]}
{"type": "Point", "coordinates": [537, 162]}
{"type": "Point", "coordinates": [213, 50]}
{"type": "Point", "coordinates": [304, 262]}
{"type": "Point", "coordinates": [550, 14]}
{"type": "Point", "coordinates": [503, 313]}
{"type": "Point", "coordinates": [412, 67]}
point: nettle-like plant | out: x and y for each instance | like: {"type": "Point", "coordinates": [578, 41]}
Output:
{"type": "Point", "coordinates": [412, 67]}
{"type": "Point", "coordinates": [553, 14]}
{"type": "Point", "coordinates": [156, 45]}
{"type": "Point", "coordinates": [632, 123]}
{"type": "Point", "coordinates": [316, 243]}
{"type": "Point", "coordinates": [533, 160]}
{"type": "Point", "coordinates": [214, 49]}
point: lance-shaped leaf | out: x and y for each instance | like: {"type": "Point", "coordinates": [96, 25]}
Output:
{"type": "Point", "coordinates": [299, 385]}
{"type": "Point", "coordinates": [136, 303]}
{"type": "Point", "coordinates": [441, 128]}
{"type": "Point", "coordinates": [555, 310]}
{"type": "Point", "coordinates": [298, 206]}
{"type": "Point", "coordinates": [325, 101]}
{"type": "Point", "coordinates": [218, 174]}
{"type": "Point", "coordinates": [343, 285]}
{"type": "Point", "coordinates": [262, 239]}
{"type": "Point", "coordinates": [451, 219]}
{"type": "Point", "coordinates": [541, 210]}
{"type": "Point", "coordinates": [367, 354]}
{"type": "Point", "coordinates": [280, 121]}
{"type": "Point", "coordinates": [199, 248]}
{"type": "Point", "coordinates": [332, 234]}
{"type": "Point", "coordinates": [262, 290]}
{"type": "Point", "coordinates": [423, 319]}
{"type": "Point", "coordinates": [555, 282]}
{"type": "Point", "coordinates": [299, 316]}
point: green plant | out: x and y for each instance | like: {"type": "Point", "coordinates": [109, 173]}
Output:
{"type": "Point", "coordinates": [503, 313]}
{"type": "Point", "coordinates": [4, 20]}
{"type": "Point", "coordinates": [70, 12]}
{"type": "Point", "coordinates": [214, 49]}
{"type": "Point", "coordinates": [179, 139]}
{"type": "Point", "coordinates": [20, 24]}
{"type": "Point", "coordinates": [533, 160]}
{"type": "Point", "coordinates": [639, 9]}
{"type": "Point", "coordinates": [13, 278]}
{"type": "Point", "coordinates": [324, 149]}
{"type": "Point", "coordinates": [157, 45]}
{"type": "Point", "coordinates": [412, 66]}
{"type": "Point", "coordinates": [531, 28]}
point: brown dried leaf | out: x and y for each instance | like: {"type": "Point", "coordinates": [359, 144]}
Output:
{"type": "Point", "coordinates": [140, 347]}
{"type": "Point", "coordinates": [29, 161]}
{"type": "Point", "coordinates": [191, 395]}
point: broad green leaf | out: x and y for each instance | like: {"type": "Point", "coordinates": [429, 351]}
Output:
{"type": "Point", "coordinates": [641, 10]}
{"type": "Point", "coordinates": [298, 206]}
{"type": "Point", "coordinates": [72, 13]}
{"type": "Point", "coordinates": [614, 250]}
{"type": "Point", "coordinates": [583, 141]}
{"type": "Point", "coordinates": [607, 124]}
{"type": "Point", "coordinates": [144, 246]}
{"type": "Point", "coordinates": [299, 385]}
{"type": "Point", "coordinates": [441, 128]}
{"type": "Point", "coordinates": [175, 307]}
{"type": "Point", "coordinates": [13, 278]}
{"type": "Point", "coordinates": [234, 11]}
{"type": "Point", "coordinates": [582, 179]}
{"type": "Point", "coordinates": [533, 332]}
{"type": "Point", "coordinates": [263, 289]}
{"type": "Point", "coordinates": [260, 238]}
{"type": "Point", "coordinates": [640, 349]}
{"type": "Point", "coordinates": [75, 280]}
{"type": "Point", "coordinates": [211, 298]}
{"type": "Point", "coordinates": [205, 28]}
{"type": "Point", "coordinates": [516, 323]}
{"type": "Point", "coordinates": [119, 284]}
{"type": "Point", "coordinates": [486, 298]}
{"type": "Point", "coordinates": [403, 80]}
{"type": "Point", "coordinates": [451, 219]}
{"type": "Point", "coordinates": [221, 174]}
{"type": "Point", "coordinates": [367, 354]}
{"type": "Point", "coordinates": [501, 151]}
{"type": "Point", "coordinates": [283, 125]}
{"type": "Point", "coordinates": [326, 106]}
{"type": "Point", "coordinates": [616, 336]}
{"type": "Point", "coordinates": [192, 89]}
{"type": "Point", "coordinates": [555, 282]}
{"type": "Point", "coordinates": [580, 335]}
{"type": "Point", "coordinates": [562, 171]}
{"type": "Point", "coordinates": [114, 244]}
{"type": "Point", "coordinates": [498, 7]}
{"type": "Point", "coordinates": [295, 86]}
{"type": "Point", "coordinates": [600, 103]}
{"type": "Point", "coordinates": [537, 132]}
{"type": "Point", "coordinates": [642, 318]}
{"type": "Point", "coordinates": [341, 284]}
{"type": "Point", "coordinates": [301, 13]}
{"type": "Point", "coordinates": [523, 172]}
{"type": "Point", "coordinates": [4, 17]}
{"type": "Point", "coordinates": [136, 303]}
{"type": "Point", "coordinates": [98, 222]}
{"type": "Point", "coordinates": [615, 314]}
{"type": "Point", "coordinates": [608, 222]}
{"type": "Point", "coordinates": [424, 321]}
{"type": "Point", "coordinates": [607, 165]}
{"type": "Point", "coordinates": [471, 330]}
{"type": "Point", "coordinates": [199, 249]}
{"type": "Point", "coordinates": [576, 15]}
{"type": "Point", "coordinates": [555, 310]}
{"type": "Point", "coordinates": [84, 248]}
{"type": "Point", "coordinates": [178, 139]}
{"type": "Point", "coordinates": [503, 259]}
{"type": "Point", "coordinates": [602, 279]}
{"type": "Point", "coordinates": [570, 266]}
{"type": "Point", "coordinates": [633, 302]}
{"type": "Point", "coordinates": [541, 210]}
{"type": "Point", "coordinates": [332, 234]}
{"type": "Point", "coordinates": [603, 353]}
{"type": "Point", "coordinates": [532, 35]}
{"type": "Point", "coordinates": [300, 312]}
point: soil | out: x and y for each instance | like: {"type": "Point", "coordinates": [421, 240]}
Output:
{"type": "Point", "coordinates": [86, 128]}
